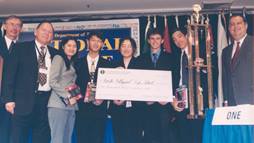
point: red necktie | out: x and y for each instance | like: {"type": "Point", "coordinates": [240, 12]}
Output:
{"type": "Point", "coordinates": [237, 51]}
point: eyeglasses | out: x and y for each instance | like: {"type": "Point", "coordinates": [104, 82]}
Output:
{"type": "Point", "coordinates": [17, 26]}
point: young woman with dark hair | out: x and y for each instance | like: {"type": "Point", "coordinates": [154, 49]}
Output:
{"type": "Point", "coordinates": [62, 106]}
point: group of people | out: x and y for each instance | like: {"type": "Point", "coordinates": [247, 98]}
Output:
{"type": "Point", "coordinates": [35, 77]}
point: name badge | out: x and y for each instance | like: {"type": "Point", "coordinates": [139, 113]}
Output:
{"type": "Point", "coordinates": [234, 115]}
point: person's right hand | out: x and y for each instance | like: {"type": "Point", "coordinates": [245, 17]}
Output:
{"type": "Point", "coordinates": [118, 102]}
{"type": "Point", "coordinates": [149, 102]}
{"type": "Point", "coordinates": [175, 105]}
{"type": "Point", "coordinates": [120, 67]}
{"type": "Point", "coordinates": [97, 102]}
{"type": "Point", "coordinates": [10, 107]}
{"type": "Point", "coordinates": [225, 104]}
{"type": "Point", "coordinates": [72, 101]}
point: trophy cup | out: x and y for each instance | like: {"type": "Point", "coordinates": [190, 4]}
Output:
{"type": "Point", "coordinates": [90, 89]}
{"type": "Point", "coordinates": [182, 96]}
{"type": "Point", "coordinates": [195, 28]}
{"type": "Point", "coordinates": [74, 92]}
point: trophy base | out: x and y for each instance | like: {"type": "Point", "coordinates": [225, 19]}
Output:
{"type": "Point", "coordinates": [90, 93]}
{"type": "Point", "coordinates": [89, 99]}
{"type": "Point", "coordinates": [195, 116]}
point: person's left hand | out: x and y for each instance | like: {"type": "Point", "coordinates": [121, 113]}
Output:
{"type": "Point", "coordinates": [163, 103]}
{"type": "Point", "coordinates": [72, 101]}
{"type": "Point", "coordinates": [118, 102]}
{"type": "Point", "coordinates": [175, 105]}
{"type": "Point", "coordinates": [97, 102]}
{"type": "Point", "coordinates": [199, 62]}
{"type": "Point", "coordinates": [149, 102]}
{"type": "Point", "coordinates": [120, 67]}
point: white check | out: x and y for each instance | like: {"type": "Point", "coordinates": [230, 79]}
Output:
{"type": "Point", "coordinates": [134, 85]}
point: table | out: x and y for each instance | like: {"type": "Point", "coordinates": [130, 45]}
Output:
{"type": "Point", "coordinates": [226, 133]}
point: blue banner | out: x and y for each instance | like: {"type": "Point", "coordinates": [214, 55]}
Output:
{"type": "Point", "coordinates": [112, 31]}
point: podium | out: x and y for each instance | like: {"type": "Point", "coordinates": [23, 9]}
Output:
{"type": "Point", "coordinates": [226, 133]}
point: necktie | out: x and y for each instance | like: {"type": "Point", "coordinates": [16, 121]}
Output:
{"type": "Point", "coordinates": [42, 65]}
{"type": "Point", "coordinates": [236, 54]}
{"type": "Point", "coordinates": [154, 59]}
{"type": "Point", "coordinates": [11, 46]}
{"type": "Point", "coordinates": [92, 71]}
{"type": "Point", "coordinates": [184, 71]}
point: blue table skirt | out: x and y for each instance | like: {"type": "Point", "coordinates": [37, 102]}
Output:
{"type": "Point", "coordinates": [227, 133]}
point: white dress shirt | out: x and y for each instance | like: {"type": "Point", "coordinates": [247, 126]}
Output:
{"type": "Point", "coordinates": [185, 50]}
{"type": "Point", "coordinates": [235, 45]}
{"type": "Point", "coordinates": [90, 60]}
{"type": "Point", "coordinates": [8, 42]}
{"type": "Point", "coordinates": [46, 86]}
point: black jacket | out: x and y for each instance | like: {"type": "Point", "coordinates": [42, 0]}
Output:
{"type": "Point", "coordinates": [122, 111]}
{"type": "Point", "coordinates": [89, 109]}
{"type": "Point", "coordinates": [20, 82]}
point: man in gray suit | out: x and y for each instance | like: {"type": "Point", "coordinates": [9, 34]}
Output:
{"type": "Point", "coordinates": [237, 64]}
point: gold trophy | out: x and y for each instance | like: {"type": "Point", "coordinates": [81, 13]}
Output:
{"type": "Point", "coordinates": [196, 25]}
{"type": "Point", "coordinates": [90, 92]}
{"type": "Point", "coordinates": [91, 86]}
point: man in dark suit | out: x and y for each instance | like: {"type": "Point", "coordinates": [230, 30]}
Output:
{"type": "Point", "coordinates": [237, 64]}
{"type": "Point", "coordinates": [157, 117]}
{"type": "Point", "coordinates": [12, 26]}
{"type": "Point", "coordinates": [1, 30]}
{"type": "Point", "coordinates": [27, 89]}
{"type": "Point", "coordinates": [188, 130]}
{"type": "Point", "coordinates": [91, 116]}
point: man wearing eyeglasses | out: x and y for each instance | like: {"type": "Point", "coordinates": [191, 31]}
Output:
{"type": "Point", "coordinates": [12, 26]}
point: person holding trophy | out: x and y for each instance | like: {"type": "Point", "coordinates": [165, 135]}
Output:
{"type": "Point", "coordinates": [125, 115]}
{"type": "Point", "coordinates": [62, 102]}
{"type": "Point", "coordinates": [190, 128]}
{"type": "Point", "coordinates": [91, 117]}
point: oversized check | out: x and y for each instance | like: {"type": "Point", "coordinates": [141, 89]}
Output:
{"type": "Point", "coordinates": [134, 85]}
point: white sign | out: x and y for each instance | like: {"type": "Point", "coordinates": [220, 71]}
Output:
{"type": "Point", "coordinates": [234, 115]}
{"type": "Point", "coordinates": [134, 85]}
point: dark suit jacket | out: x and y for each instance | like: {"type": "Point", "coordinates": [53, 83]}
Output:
{"type": "Point", "coordinates": [21, 79]}
{"type": "Point", "coordinates": [89, 109]}
{"type": "Point", "coordinates": [156, 117]}
{"type": "Point", "coordinates": [238, 82]}
{"type": "Point", "coordinates": [122, 111]}
{"type": "Point", "coordinates": [203, 75]}
{"type": "Point", "coordinates": [165, 62]}
{"type": "Point", "coordinates": [3, 48]}
{"type": "Point", "coordinates": [4, 53]}
{"type": "Point", "coordinates": [2, 44]}
{"type": "Point", "coordinates": [0, 30]}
